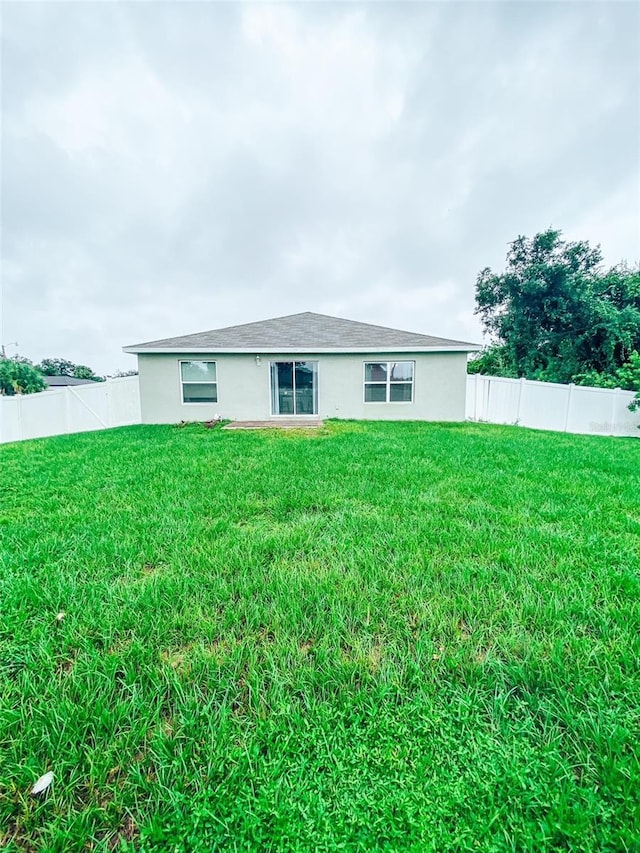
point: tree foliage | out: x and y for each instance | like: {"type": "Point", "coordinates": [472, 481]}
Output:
{"type": "Point", "coordinates": [494, 361]}
{"type": "Point", "coordinates": [555, 314]}
{"type": "Point", "coordinates": [626, 377]}
{"type": "Point", "coordinates": [19, 376]}
{"type": "Point", "coordinates": [121, 374]}
{"type": "Point", "coordinates": [56, 367]}
{"type": "Point", "coordinates": [64, 367]}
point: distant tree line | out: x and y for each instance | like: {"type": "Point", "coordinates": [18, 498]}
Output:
{"type": "Point", "coordinates": [64, 367]}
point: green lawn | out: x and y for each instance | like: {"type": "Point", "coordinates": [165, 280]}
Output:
{"type": "Point", "coordinates": [404, 637]}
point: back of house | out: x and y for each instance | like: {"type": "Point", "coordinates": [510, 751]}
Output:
{"type": "Point", "coordinates": [303, 366]}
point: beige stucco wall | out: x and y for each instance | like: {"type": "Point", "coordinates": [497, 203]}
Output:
{"type": "Point", "coordinates": [244, 393]}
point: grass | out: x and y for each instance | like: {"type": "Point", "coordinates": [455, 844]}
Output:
{"type": "Point", "coordinates": [399, 637]}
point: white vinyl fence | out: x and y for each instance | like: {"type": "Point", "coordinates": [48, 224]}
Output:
{"type": "Point", "coordinates": [547, 405]}
{"type": "Point", "coordinates": [73, 408]}
{"type": "Point", "coordinates": [542, 405]}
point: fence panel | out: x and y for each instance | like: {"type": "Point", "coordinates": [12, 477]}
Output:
{"type": "Point", "coordinates": [591, 411]}
{"type": "Point", "coordinates": [10, 419]}
{"type": "Point", "coordinates": [88, 407]}
{"type": "Point", "coordinates": [547, 405]}
{"type": "Point", "coordinates": [502, 400]}
{"type": "Point", "coordinates": [624, 422]}
{"type": "Point", "coordinates": [124, 401]}
{"type": "Point", "coordinates": [76, 408]}
{"type": "Point", "coordinates": [42, 414]}
{"type": "Point", "coordinates": [544, 406]}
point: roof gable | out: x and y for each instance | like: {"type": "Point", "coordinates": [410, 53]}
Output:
{"type": "Point", "coordinates": [306, 332]}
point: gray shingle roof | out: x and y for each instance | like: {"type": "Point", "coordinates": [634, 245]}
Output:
{"type": "Point", "coordinates": [306, 332]}
{"type": "Point", "coordinates": [56, 381]}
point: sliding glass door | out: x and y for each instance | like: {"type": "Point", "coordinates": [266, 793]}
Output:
{"type": "Point", "coordinates": [294, 387]}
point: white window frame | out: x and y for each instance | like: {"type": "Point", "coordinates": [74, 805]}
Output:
{"type": "Point", "coordinates": [182, 382]}
{"type": "Point", "coordinates": [388, 382]}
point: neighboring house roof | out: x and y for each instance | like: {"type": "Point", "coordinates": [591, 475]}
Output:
{"type": "Point", "coordinates": [306, 332]}
{"type": "Point", "coordinates": [56, 381]}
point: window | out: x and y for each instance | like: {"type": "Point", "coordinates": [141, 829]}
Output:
{"type": "Point", "coordinates": [388, 381]}
{"type": "Point", "coordinates": [199, 381]}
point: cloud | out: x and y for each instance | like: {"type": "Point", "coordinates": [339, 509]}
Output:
{"type": "Point", "coordinates": [172, 167]}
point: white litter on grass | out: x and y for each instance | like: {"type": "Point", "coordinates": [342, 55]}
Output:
{"type": "Point", "coordinates": [60, 616]}
{"type": "Point", "coordinates": [43, 783]}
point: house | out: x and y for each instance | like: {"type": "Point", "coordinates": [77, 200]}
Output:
{"type": "Point", "coordinates": [64, 381]}
{"type": "Point", "coordinates": [303, 366]}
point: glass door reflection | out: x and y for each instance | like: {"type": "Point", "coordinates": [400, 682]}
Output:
{"type": "Point", "coordinates": [294, 387]}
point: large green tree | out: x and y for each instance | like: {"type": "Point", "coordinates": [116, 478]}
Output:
{"type": "Point", "coordinates": [555, 313]}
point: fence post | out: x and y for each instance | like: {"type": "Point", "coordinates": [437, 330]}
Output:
{"type": "Point", "coordinates": [522, 381]}
{"type": "Point", "coordinates": [19, 418]}
{"type": "Point", "coordinates": [567, 412]}
{"type": "Point", "coordinates": [614, 400]}
{"type": "Point", "coordinates": [108, 397]}
{"type": "Point", "coordinates": [487, 400]}
{"type": "Point", "coordinates": [67, 410]}
{"type": "Point", "coordinates": [475, 397]}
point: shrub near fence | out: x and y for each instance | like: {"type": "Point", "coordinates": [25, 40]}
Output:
{"type": "Point", "coordinates": [77, 408]}
{"type": "Point", "coordinates": [548, 405]}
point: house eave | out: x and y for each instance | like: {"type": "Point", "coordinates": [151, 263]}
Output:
{"type": "Point", "coordinates": [294, 350]}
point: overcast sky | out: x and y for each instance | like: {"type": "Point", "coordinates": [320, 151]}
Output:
{"type": "Point", "coordinates": [173, 167]}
